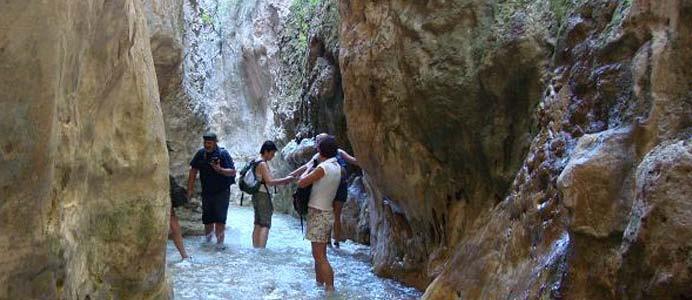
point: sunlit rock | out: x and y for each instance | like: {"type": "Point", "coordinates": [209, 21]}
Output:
{"type": "Point", "coordinates": [84, 169]}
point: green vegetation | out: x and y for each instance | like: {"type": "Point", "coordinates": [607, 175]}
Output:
{"type": "Point", "coordinates": [561, 9]}
{"type": "Point", "coordinates": [620, 12]}
{"type": "Point", "coordinates": [206, 18]}
{"type": "Point", "coordinates": [302, 12]}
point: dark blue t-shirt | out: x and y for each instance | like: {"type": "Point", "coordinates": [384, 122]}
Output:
{"type": "Point", "coordinates": [344, 166]}
{"type": "Point", "coordinates": [212, 181]}
{"type": "Point", "coordinates": [341, 160]}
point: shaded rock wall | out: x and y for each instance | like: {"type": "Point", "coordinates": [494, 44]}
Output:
{"type": "Point", "coordinates": [355, 215]}
{"type": "Point", "coordinates": [84, 181]}
{"type": "Point", "coordinates": [184, 123]}
{"type": "Point", "coordinates": [512, 149]}
{"type": "Point", "coordinates": [439, 111]}
{"type": "Point", "coordinates": [311, 79]}
{"type": "Point", "coordinates": [310, 51]}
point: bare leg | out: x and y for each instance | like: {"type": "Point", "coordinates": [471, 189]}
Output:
{"type": "Point", "coordinates": [255, 236]}
{"type": "Point", "coordinates": [208, 228]}
{"type": "Point", "coordinates": [177, 235]}
{"type": "Point", "coordinates": [338, 205]}
{"type": "Point", "coordinates": [220, 229]}
{"type": "Point", "coordinates": [318, 277]}
{"type": "Point", "coordinates": [262, 237]}
{"type": "Point", "coordinates": [324, 270]}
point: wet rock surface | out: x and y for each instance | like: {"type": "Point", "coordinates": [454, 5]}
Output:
{"type": "Point", "coordinates": [494, 194]}
{"type": "Point", "coordinates": [511, 149]}
{"type": "Point", "coordinates": [657, 241]}
{"type": "Point", "coordinates": [84, 185]}
{"type": "Point", "coordinates": [355, 215]}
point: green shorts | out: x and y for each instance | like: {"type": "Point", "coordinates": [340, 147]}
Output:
{"type": "Point", "coordinates": [263, 209]}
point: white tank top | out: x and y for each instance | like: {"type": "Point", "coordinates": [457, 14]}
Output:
{"type": "Point", "coordinates": [324, 189]}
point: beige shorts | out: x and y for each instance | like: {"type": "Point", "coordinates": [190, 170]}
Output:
{"type": "Point", "coordinates": [319, 225]}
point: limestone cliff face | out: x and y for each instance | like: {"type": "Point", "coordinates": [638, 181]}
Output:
{"type": "Point", "coordinates": [84, 183]}
{"type": "Point", "coordinates": [519, 151]}
{"type": "Point", "coordinates": [231, 61]}
{"type": "Point", "coordinates": [184, 123]}
{"type": "Point", "coordinates": [250, 71]}
{"type": "Point", "coordinates": [217, 65]}
{"type": "Point", "coordinates": [439, 111]}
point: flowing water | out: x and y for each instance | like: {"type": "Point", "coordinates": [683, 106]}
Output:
{"type": "Point", "coordinates": [282, 271]}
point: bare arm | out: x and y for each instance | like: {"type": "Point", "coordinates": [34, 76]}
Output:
{"type": "Point", "coordinates": [310, 177]}
{"type": "Point", "coordinates": [298, 171]}
{"type": "Point", "coordinates": [267, 176]}
{"type": "Point", "coordinates": [350, 159]}
{"type": "Point", "coordinates": [306, 166]}
{"type": "Point", "coordinates": [191, 176]}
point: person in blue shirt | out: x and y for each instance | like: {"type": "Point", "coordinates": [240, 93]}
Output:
{"type": "Point", "coordinates": [217, 173]}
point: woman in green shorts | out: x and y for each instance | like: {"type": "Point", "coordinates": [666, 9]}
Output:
{"type": "Point", "coordinates": [261, 201]}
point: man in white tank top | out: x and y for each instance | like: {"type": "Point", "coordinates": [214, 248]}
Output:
{"type": "Point", "coordinates": [324, 189]}
{"type": "Point", "coordinates": [325, 180]}
{"type": "Point", "coordinates": [342, 192]}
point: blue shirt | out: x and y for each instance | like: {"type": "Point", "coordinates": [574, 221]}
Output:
{"type": "Point", "coordinates": [212, 181]}
{"type": "Point", "coordinates": [341, 160]}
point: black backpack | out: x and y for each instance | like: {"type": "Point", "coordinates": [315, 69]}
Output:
{"type": "Point", "coordinates": [301, 197]}
{"type": "Point", "coordinates": [300, 200]}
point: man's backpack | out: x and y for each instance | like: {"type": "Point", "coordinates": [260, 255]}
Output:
{"type": "Point", "coordinates": [249, 183]}
{"type": "Point", "coordinates": [301, 197]}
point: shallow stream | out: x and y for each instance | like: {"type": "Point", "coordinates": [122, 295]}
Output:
{"type": "Point", "coordinates": [282, 271]}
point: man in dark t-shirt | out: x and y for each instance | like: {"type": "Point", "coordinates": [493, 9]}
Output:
{"type": "Point", "coordinates": [217, 173]}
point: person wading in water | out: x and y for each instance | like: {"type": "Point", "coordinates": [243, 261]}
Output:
{"type": "Point", "coordinates": [324, 179]}
{"type": "Point", "coordinates": [342, 158]}
{"type": "Point", "coordinates": [217, 173]}
{"type": "Point", "coordinates": [261, 201]}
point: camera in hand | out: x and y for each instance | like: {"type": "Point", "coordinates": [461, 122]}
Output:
{"type": "Point", "coordinates": [213, 160]}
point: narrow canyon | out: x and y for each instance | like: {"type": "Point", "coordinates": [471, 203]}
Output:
{"type": "Point", "coordinates": [524, 149]}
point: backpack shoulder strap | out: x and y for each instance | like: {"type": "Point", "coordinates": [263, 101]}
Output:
{"type": "Point", "coordinates": [269, 194]}
{"type": "Point", "coordinates": [257, 162]}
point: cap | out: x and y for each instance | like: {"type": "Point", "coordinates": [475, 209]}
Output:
{"type": "Point", "coordinates": [209, 136]}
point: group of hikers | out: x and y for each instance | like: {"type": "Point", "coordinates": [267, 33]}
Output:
{"type": "Point", "coordinates": [324, 175]}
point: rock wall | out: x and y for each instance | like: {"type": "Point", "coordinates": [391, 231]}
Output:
{"type": "Point", "coordinates": [516, 150]}
{"type": "Point", "coordinates": [250, 71]}
{"type": "Point", "coordinates": [311, 79]}
{"type": "Point", "coordinates": [184, 122]}
{"type": "Point", "coordinates": [232, 72]}
{"type": "Point", "coordinates": [216, 64]}
{"type": "Point", "coordinates": [438, 103]}
{"type": "Point", "coordinates": [84, 183]}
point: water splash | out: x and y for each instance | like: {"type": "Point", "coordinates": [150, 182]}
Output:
{"type": "Point", "coordinates": [282, 271]}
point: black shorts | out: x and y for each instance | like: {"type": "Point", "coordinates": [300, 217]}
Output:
{"type": "Point", "coordinates": [215, 207]}
{"type": "Point", "coordinates": [342, 192]}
